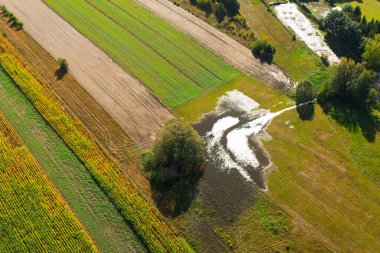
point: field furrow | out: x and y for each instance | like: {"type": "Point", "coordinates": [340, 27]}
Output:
{"type": "Point", "coordinates": [142, 215]}
{"type": "Point", "coordinates": [33, 216]}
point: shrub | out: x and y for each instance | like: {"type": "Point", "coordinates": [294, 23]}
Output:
{"type": "Point", "coordinates": [371, 55]}
{"type": "Point", "coordinates": [18, 24]}
{"type": "Point", "coordinates": [205, 5]}
{"type": "Point", "coordinates": [263, 50]}
{"type": "Point", "coordinates": [325, 59]}
{"type": "Point", "coordinates": [220, 12]}
{"type": "Point", "coordinates": [177, 155]}
{"type": "Point", "coordinates": [232, 7]}
{"type": "Point", "coordinates": [63, 66]}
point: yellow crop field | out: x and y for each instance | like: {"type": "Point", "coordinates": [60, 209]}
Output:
{"type": "Point", "coordinates": [146, 220]}
{"type": "Point", "coordinates": [37, 218]}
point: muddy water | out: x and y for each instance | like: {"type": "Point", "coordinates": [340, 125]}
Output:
{"type": "Point", "coordinates": [233, 132]}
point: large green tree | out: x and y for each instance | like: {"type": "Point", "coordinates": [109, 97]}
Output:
{"type": "Point", "coordinates": [177, 155]}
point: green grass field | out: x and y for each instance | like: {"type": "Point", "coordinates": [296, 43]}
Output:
{"type": "Point", "coordinates": [328, 174]}
{"type": "Point", "coordinates": [370, 8]}
{"type": "Point", "coordinates": [298, 61]}
{"type": "Point", "coordinates": [85, 197]}
{"type": "Point", "coordinates": [171, 64]}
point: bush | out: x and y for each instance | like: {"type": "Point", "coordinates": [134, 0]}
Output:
{"type": "Point", "coordinates": [205, 5]}
{"type": "Point", "coordinates": [232, 7]}
{"type": "Point", "coordinates": [220, 12]}
{"type": "Point", "coordinates": [18, 24]}
{"type": "Point", "coordinates": [177, 155]}
{"type": "Point", "coordinates": [63, 67]}
{"type": "Point", "coordinates": [371, 55]}
{"type": "Point", "coordinates": [263, 50]}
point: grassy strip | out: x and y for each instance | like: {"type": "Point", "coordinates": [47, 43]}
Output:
{"type": "Point", "coordinates": [294, 56]}
{"type": "Point", "coordinates": [33, 216]}
{"type": "Point", "coordinates": [144, 217]}
{"type": "Point", "coordinates": [328, 173]}
{"type": "Point", "coordinates": [171, 64]}
{"type": "Point", "coordinates": [105, 225]}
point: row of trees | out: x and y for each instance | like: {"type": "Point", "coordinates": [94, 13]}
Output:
{"type": "Point", "coordinates": [351, 28]}
{"type": "Point", "coordinates": [12, 18]}
{"type": "Point", "coordinates": [221, 8]}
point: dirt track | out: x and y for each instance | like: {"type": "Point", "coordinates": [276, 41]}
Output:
{"type": "Point", "coordinates": [124, 98]}
{"type": "Point", "coordinates": [221, 44]}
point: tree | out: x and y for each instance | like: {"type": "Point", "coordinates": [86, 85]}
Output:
{"type": "Point", "coordinates": [341, 27]}
{"type": "Point", "coordinates": [232, 7]}
{"type": "Point", "coordinates": [371, 55]}
{"type": "Point", "coordinates": [304, 92]}
{"type": "Point", "coordinates": [220, 12]}
{"type": "Point", "coordinates": [177, 155]}
{"type": "Point", "coordinates": [63, 68]}
{"type": "Point", "coordinates": [263, 50]}
{"type": "Point", "coordinates": [351, 82]}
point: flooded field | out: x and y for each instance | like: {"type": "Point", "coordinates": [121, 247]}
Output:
{"type": "Point", "coordinates": [233, 133]}
{"type": "Point", "coordinates": [291, 17]}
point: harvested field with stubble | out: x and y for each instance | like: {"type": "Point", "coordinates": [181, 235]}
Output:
{"type": "Point", "coordinates": [124, 98]}
{"type": "Point", "coordinates": [33, 215]}
{"type": "Point", "coordinates": [145, 219]}
{"type": "Point", "coordinates": [86, 198]}
{"type": "Point", "coordinates": [74, 97]}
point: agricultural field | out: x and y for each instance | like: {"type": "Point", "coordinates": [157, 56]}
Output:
{"type": "Point", "coordinates": [340, 177]}
{"type": "Point", "coordinates": [172, 65]}
{"type": "Point", "coordinates": [87, 200]}
{"type": "Point", "coordinates": [293, 56]}
{"type": "Point", "coordinates": [136, 209]}
{"type": "Point", "coordinates": [33, 214]}
{"type": "Point", "coordinates": [167, 135]}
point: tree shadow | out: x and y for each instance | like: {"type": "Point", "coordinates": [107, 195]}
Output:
{"type": "Point", "coordinates": [339, 48]}
{"type": "Point", "coordinates": [174, 199]}
{"type": "Point", "coordinates": [353, 118]}
{"type": "Point", "coordinates": [306, 111]}
{"type": "Point", "coordinates": [60, 74]}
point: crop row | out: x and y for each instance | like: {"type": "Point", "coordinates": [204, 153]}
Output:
{"type": "Point", "coordinates": [33, 215]}
{"type": "Point", "coordinates": [169, 62]}
{"type": "Point", "coordinates": [142, 215]}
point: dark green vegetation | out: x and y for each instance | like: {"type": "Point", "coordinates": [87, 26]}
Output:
{"type": "Point", "coordinates": [353, 83]}
{"type": "Point", "coordinates": [175, 165]}
{"type": "Point", "coordinates": [351, 29]}
{"type": "Point", "coordinates": [371, 55]}
{"type": "Point", "coordinates": [12, 18]}
{"type": "Point", "coordinates": [263, 50]}
{"type": "Point", "coordinates": [63, 67]}
{"type": "Point", "coordinates": [87, 200]}
{"type": "Point", "coordinates": [304, 96]}
{"type": "Point", "coordinates": [171, 64]}
{"type": "Point", "coordinates": [221, 7]}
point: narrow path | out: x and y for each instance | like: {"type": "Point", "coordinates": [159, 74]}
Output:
{"type": "Point", "coordinates": [124, 98]}
{"type": "Point", "coordinates": [221, 44]}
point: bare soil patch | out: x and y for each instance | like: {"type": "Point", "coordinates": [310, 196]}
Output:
{"type": "Point", "coordinates": [125, 99]}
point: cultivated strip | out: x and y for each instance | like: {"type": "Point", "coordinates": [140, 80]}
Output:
{"type": "Point", "coordinates": [143, 216]}
{"type": "Point", "coordinates": [123, 97]}
{"type": "Point", "coordinates": [33, 215]}
{"type": "Point", "coordinates": [218, 42]}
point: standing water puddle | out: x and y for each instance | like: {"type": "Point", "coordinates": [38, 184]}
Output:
{"type": "Point", "coordinates": [291, 17]}
{"type": "Point", "coordinates": [233, 132]}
